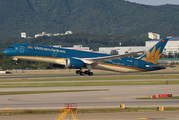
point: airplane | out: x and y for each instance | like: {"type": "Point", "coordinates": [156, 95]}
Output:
{"type": "Point", "coordinates": [89, 60]}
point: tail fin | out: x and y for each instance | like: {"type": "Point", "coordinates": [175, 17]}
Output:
{"type": "Point", "coordinates": [155, 52]}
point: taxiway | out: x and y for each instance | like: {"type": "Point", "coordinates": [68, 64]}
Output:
{"type": "Point", "coordinates": [112, 98]}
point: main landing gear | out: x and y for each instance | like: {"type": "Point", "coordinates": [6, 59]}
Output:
{"type": "Point", "coordinates": [85, 72]}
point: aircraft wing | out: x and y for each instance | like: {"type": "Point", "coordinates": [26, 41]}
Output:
{"type": "Point", "coordinates": [99, 60]}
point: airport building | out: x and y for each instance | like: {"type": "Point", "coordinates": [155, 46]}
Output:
{"type": "Point", "coordinates": [75, 47]}
{"type": "Point", "coordinates": [172, 47]}
{"type": "Point", "coordinates": [122, 50]}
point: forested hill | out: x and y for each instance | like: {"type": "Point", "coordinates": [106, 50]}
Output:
{"type": "Point", "coordinates": [89, 16]}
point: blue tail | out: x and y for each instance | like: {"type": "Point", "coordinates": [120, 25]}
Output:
{"type": "Point", "coordinates": [155, 52]}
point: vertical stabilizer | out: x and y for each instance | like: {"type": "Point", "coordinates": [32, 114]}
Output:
{"type": "Point", "coordinates": [155, 52]}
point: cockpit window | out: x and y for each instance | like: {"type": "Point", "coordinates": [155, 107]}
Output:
{"type": "Point", "coordinates": [11, 47]}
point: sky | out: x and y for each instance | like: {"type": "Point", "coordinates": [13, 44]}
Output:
{"type": "Point", "coordinates": [155, 2]}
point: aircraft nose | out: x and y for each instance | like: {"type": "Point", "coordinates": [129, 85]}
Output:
{"type": "Point", "coordinates": [5, 52]}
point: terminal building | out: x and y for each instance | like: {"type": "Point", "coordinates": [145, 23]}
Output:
{"type": "Point", "coordinates": [171, 47]}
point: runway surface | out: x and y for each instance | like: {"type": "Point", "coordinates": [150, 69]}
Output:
{"type": "Point", "coordinates": [112, 98]}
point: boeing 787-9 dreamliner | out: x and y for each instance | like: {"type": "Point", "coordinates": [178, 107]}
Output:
{"type": "Point", "coordinates": [89, 60]}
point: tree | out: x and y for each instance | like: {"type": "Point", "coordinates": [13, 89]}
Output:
{"type": "Point", "coordinates": [170, 55]}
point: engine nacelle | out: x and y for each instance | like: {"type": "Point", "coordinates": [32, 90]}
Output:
{"type": "Point", "coordinates": [73, 63]}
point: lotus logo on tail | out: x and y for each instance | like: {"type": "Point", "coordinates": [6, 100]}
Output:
{"type": "Point", "coordinates": [153, 56]}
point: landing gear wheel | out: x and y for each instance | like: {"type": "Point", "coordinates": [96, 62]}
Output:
{"type": "Point", "coordinates": [81, 73]}
{"type": "Point", "coordinates": [86, 72]}
{"type": "Point", "coordinates": [90, 73]}
{"type": "Point", "coordinates": [78, 72]}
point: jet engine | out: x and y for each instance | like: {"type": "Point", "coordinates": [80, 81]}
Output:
{"type": "Point", "coordinates": [73, 63]}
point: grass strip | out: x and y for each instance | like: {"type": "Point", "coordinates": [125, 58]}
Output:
{"type": "Point", "coordinates": [174, 97]}
{"type": "Point", "coordinates": [126, 77]}
{"type": "Point", "coordinates": [161, 82]}
{"type": "Point", "coordinates": [50, 91]}
{"type": "Point", "coordinates": [95, 110]}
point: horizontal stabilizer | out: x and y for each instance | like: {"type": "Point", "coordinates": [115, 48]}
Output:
{"type": "Point", "coordinates": [160, 66]}
{"type": "Point", "coordinates": [156, 66]}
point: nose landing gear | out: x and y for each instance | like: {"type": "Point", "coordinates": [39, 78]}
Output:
{"type": "Point", "coordinates": [15, 59]}
{"type": "Point", "coordinates": [16, 62]}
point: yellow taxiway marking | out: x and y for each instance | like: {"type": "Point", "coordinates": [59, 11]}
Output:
{"type": "Point", "coordinates": [144, 119]}
{"type": "Point", "coordinates": [7, 108]}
